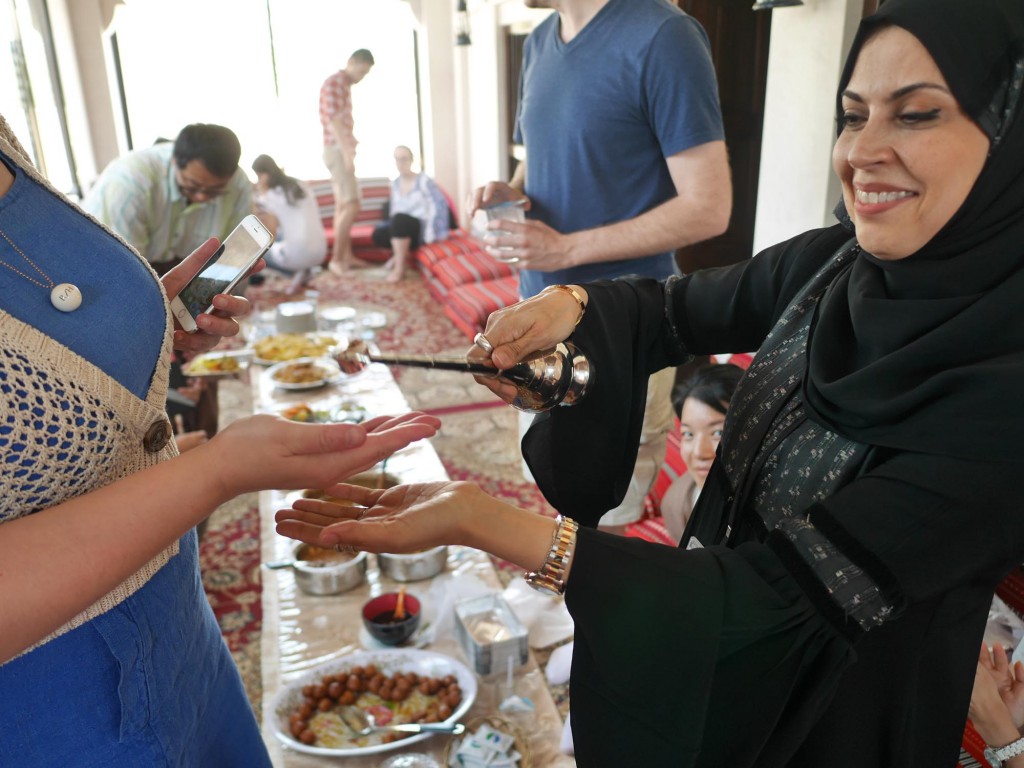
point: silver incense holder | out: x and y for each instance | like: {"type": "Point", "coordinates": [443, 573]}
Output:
{"type": "Point", "coordinates": [556, 376]}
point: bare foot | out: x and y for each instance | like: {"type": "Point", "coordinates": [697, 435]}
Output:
{"type": "Point", "coordinates": [339, 269]}
{"type": "Point", "coordinates": [394, 277]}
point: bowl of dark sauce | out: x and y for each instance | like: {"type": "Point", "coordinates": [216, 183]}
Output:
{"type": "Point", "coordinates": [381, 622]}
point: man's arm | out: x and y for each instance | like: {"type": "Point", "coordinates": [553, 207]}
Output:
{"type": "Point", "coordinates": [700, 210]}
{"type": "Point", "coordinates": [116, 202]}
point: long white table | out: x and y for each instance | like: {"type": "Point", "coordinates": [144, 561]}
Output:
{"type": "Point", "coordinates": [301, 631]}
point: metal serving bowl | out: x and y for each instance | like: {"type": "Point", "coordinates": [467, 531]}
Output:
{"type": "Point", "coordinates": [414, 566]}
{"type": "Point", "coordinates": [327, 577]}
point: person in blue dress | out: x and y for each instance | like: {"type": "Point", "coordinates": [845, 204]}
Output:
{"type": "Point", "coordinates": [109, 652]}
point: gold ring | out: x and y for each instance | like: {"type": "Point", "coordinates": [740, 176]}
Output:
{"type": "Point", "coordinates": [481, 341]}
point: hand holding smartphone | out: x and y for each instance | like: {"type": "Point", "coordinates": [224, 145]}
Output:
{"type": "Point", "coordinates": [225, 269]}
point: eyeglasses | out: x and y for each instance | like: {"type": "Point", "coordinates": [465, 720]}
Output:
{"type": "Point", "coordinates": [190, 188]}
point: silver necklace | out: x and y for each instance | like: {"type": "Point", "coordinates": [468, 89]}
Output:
{"type": "Point", "coordinates": [64, 296]}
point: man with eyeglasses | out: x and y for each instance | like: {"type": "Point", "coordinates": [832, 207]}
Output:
{"type": "Point", "coordinates": [166, 200]}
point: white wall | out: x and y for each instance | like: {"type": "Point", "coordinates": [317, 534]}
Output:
{"type": "Point", "coordinates": [797, 189]}
{"type": "Point", "coordinates": [79, 26]}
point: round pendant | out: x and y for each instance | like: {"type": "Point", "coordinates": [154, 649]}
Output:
{"type": "Point", "coordinates": [66, 297]}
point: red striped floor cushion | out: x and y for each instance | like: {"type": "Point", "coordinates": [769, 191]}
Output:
{"type": "Point", "coordinates": [374, 194]}
{"type": "Point", "coordinates": [458, 242]}
{"type": "Point", "coordinates": [673, 467]}
{"type": "Point", "coordinates": [651, 529]}
{"type": "Point", "coordinates": [972, 748]}
{"type": "Point", "coordinates": [372, 254]}
{"type": "Point", "coordinates": [470, 304]}
{"type": "Point", "coordinates": [1011, 590]}
{"type": "Point", "coordinates": [463, 268]}
{"type": "Point", "coordinates": [362, 235]}
{"type": "Point", "coordinates": [436, 287]}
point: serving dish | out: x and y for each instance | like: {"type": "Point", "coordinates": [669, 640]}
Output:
{"type": "Point", "coordinates": [326, 411]}
{"type": "Point", "coordinates": [213, 364]}
{"type": "Point", "coordinates": [304, 373]}
{"type": "Point", "coordinates": [413, 566]}
{"type": "Point", "coordinates": [280, 347]}
{"type": "Point", "coordinates": [320, 571]}
{"type": "Point", "coordinates": [388, 662]}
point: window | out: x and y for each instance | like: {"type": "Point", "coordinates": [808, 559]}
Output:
{"type": "Point", "coordinates": [31, 91]}
{"type": "Point", "coordinates": [257, 68]}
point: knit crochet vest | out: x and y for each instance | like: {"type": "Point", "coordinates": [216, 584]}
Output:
{"type": "Point", "coordinates": [100, 426]}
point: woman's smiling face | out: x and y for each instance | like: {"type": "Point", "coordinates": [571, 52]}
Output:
{"type": "Point", "coordinates": [908, 155]}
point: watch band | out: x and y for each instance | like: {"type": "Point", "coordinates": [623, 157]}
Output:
{"type": "Point", "coordinates": [1004, 753]}
{"type": "Point", "coordinates": [550, 579]}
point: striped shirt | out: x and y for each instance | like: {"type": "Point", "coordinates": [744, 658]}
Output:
{"type": "Point", "coordinates": [137, 197]}
{"type": "Point", "coordinates": [336, 102]}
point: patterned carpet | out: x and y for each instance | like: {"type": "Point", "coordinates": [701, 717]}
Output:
{"type": "Point", "coordinates": [478, 442]}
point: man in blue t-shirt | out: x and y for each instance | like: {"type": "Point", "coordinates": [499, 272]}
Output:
{"type": "Point", "coordinates": [625, 162]}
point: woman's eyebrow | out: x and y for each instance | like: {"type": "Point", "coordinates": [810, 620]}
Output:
{"type": "Point", "coordinates": [899, 93]}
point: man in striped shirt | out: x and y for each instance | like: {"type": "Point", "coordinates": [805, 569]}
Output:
{"type": "Point", "coordinates": [166, 200]}
{"type": "Point", "coordinates": [340, 152]}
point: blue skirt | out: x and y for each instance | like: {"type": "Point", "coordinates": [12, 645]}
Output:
{"type": "Point", "coordinates": [149, 683]}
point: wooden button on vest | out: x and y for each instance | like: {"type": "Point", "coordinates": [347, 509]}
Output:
{"type": "Point", "coordinates": [157, 436]}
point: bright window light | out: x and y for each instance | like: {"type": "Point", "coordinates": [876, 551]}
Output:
{"type": "Point", "coordinates": [214, 61]}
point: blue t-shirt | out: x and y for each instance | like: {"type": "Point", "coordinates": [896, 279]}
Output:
{"type": "Point", "coordinates": [120, 326]}
{"type": "Point", "coordinates": [600, 114]}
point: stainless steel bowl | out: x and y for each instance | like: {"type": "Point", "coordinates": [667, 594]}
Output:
{"type": "Point", "coordinates": [327, 578]}
{"type": "Point", "coordinates": [414, 566]}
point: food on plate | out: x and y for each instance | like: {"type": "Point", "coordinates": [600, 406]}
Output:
{"type": "Point", "coordinates": [300, 412]}
{"type": "Point", "coordinates": [213, 364]}
{"type": "Point", "coordinates": [309, 372]}
{"type": "Point", "coordinates": [403, 697]}
{"type": "Point", "coordinates": [322, 556]}
{"type": "Point", "coordinates": [346, 411]}
{"type": "Point", "coordinates": [291, 346]}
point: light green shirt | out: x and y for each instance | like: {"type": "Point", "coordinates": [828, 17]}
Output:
{"type": "Point", "coordinates": [137, 197]}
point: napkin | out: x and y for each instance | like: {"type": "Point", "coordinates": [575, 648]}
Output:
{"type": "Point", "coordinates": [446, 590]}
{"type": "Point", "coordinates": [545, 618]}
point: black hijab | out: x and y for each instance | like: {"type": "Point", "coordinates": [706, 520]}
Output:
{"type": "Point", "coordinates": [927, 353]}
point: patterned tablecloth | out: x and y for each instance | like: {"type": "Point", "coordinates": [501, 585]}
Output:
{"type": "Point", "coordinates": [301, 631]}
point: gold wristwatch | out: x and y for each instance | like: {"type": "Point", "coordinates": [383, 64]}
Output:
{"type": "Point", "coordinates": [550, 579]}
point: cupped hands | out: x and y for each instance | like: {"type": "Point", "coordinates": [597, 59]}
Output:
{"type": "Point", "coordinates": [406, 518]}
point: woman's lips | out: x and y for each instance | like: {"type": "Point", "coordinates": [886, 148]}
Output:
{"type": "Point", "coordinates": [879, 200]}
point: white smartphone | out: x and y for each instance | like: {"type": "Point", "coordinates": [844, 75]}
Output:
{"type": "Point", "coordinates": [225, 269]}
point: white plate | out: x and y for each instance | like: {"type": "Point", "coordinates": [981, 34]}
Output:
{"type": "Point", "coordinates": [423, 663]}
{"type": "Point", "coordinates": [195, 367]}
{"type": "Point", "coordinates": [325, 365]}
{"type": "Point", "coordinates": [337, 314]}
{"type": "Point", "coordinates": [328, 339]}
{"type": "Point", "coordinates": [374, 320]}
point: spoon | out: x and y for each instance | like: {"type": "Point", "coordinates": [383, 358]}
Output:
{"type": "Point", "coordinates": [363, 724]}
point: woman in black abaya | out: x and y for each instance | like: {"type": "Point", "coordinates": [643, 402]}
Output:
{"type": "Point", "coordinates": [831, 590]}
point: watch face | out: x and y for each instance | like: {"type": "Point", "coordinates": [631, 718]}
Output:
{"type": "Point", "coordinates": [992, 758]}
